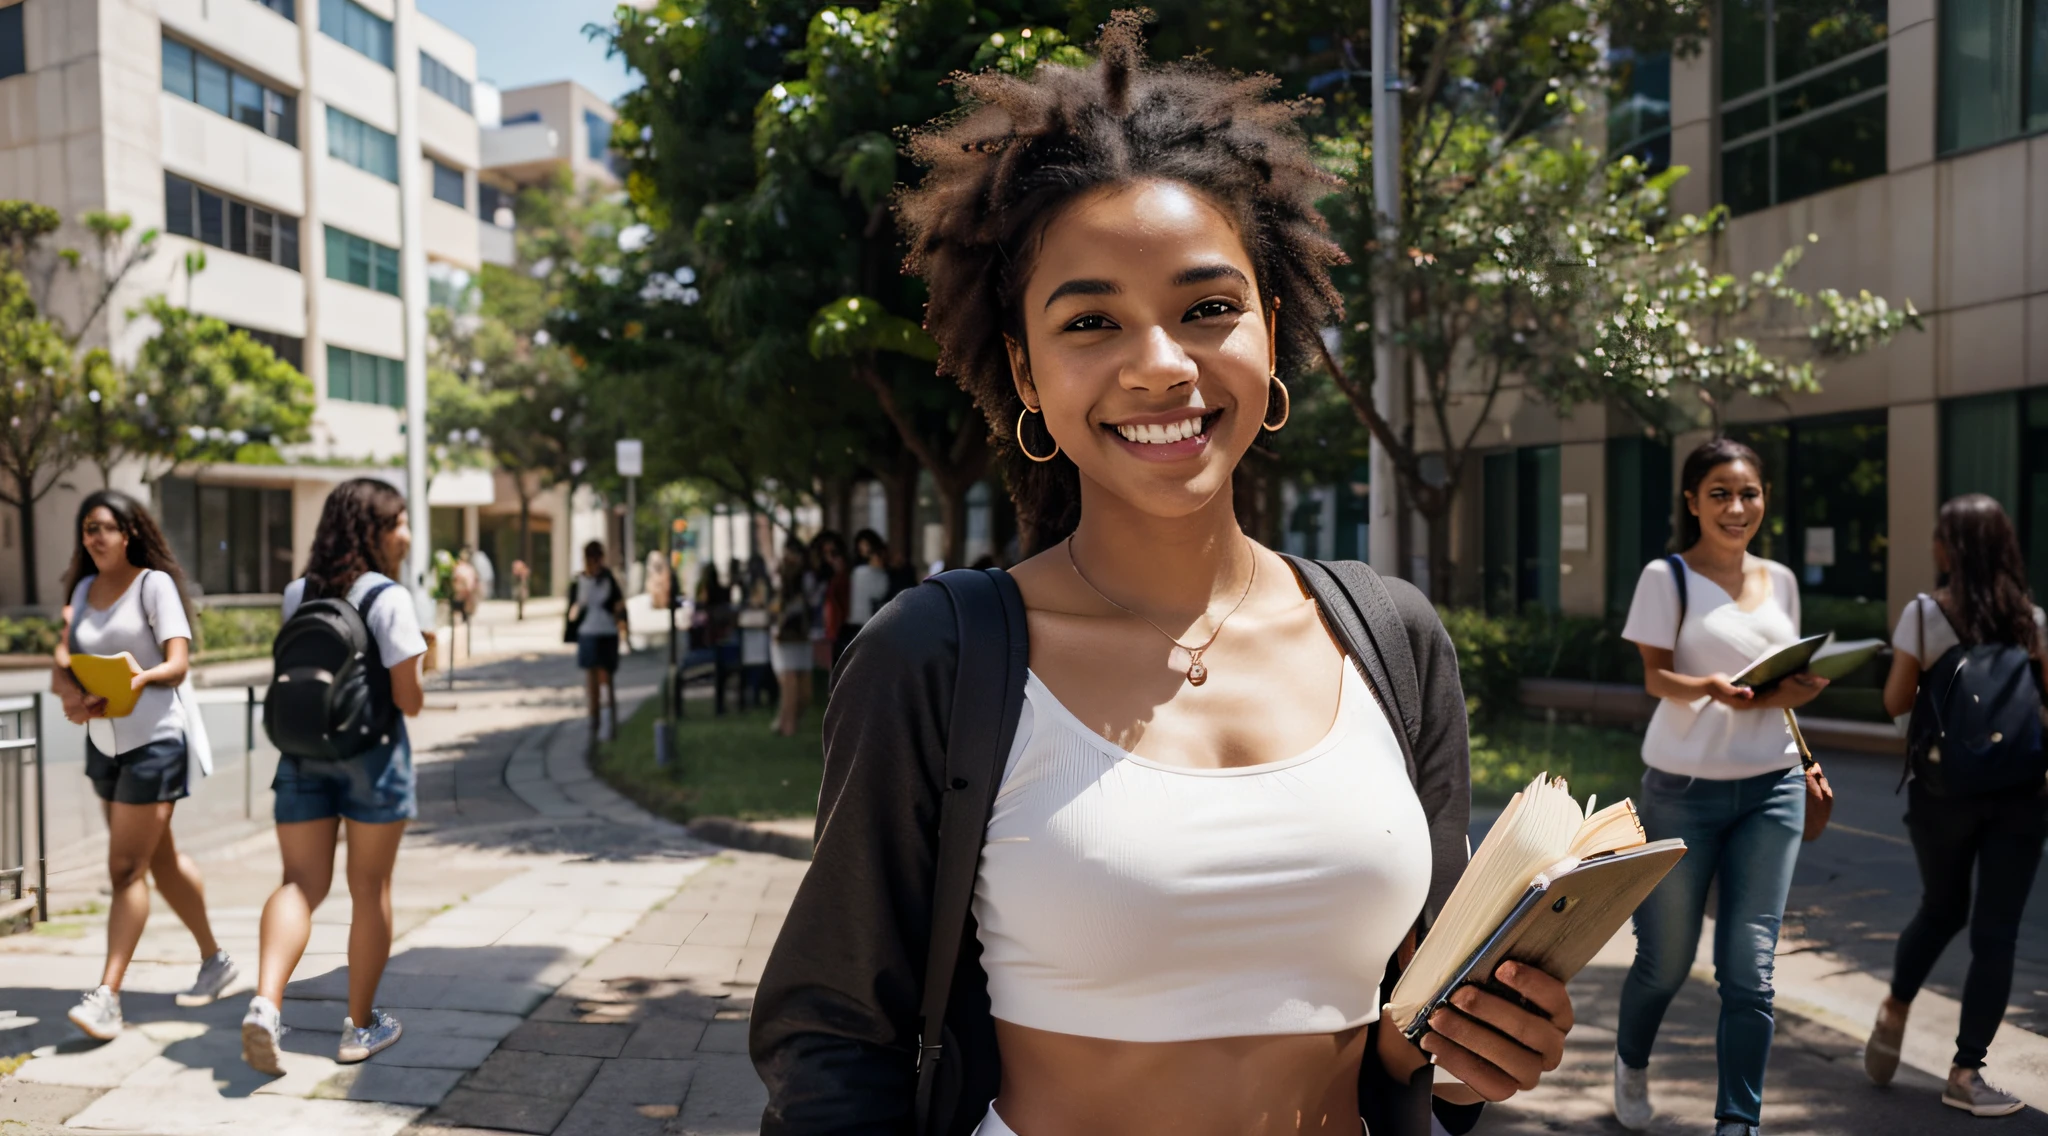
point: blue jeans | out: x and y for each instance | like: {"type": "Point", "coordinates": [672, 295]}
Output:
{"type": "Point", "coordinates": [1747, 833]}
{"type": "Point", "coordinates": [374, 787]}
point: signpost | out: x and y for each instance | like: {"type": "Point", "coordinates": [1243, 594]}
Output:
{"type": "Point", "coordinates": [628, 456]}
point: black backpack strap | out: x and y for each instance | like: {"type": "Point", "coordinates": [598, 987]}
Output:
{"type": "Point", "coordinates": [1373, 634]}
{"type": "Point", "coordinates": [1677, 565]}
{"type": "Point", "coordinates": [988, 696]}
{"type": "Point", "coordinates": [363, 609]}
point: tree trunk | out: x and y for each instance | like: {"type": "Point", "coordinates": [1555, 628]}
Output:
{"type": "Point", "coordinates": [1442, 578]}
{"type": "Point", "coordinates": [31, 595]}
{"type": "Point", "coordinates": [525, 538]}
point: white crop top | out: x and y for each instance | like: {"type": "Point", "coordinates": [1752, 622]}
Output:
{"type": "Point", "coordinates": [1124, 899]}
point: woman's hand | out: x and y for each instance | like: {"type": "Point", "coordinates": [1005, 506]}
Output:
{"type": "Point", "coordinates": [80, 707]}
{"type": "Point", "coordinates": [1796, 691]}
{"type": "Point", "coordinates": [1720, 689]}
{"type": "Point", "coordinates": [1494, 1046]}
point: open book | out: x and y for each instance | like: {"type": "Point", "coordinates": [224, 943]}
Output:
{"type": "Point", "coordinates": [1822, 655]}
{"type": "Point", "coordinates": [1550, 884]}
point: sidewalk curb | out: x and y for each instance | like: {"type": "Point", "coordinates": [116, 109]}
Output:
{"type": "Point", "coordinates": [750, 838]}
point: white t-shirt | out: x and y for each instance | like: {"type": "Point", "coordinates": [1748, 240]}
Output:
{"type": "Point", "coordinates": [1941, 635]}
{"type": "Point", "coordinates": [594, 593]}
{"type": "Point", "coordinates": [868, 591]}
{"type": "Point", "coordinates": [144, 618]}
{"type": "Point", "coordinates": [1705, 738]}
{"type": "Point", "coordinates": [394, 624]}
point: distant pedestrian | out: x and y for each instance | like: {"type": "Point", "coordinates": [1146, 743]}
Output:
{"type": "Point", "coordinates": [486, 574]}
{"type": "Point", "coordinates": [791, 622]}
{"type": "Point", "coordinates": [756, 631]}
{"type": "Point", "coordinates": [869, 587]}
{"type": "Point", "coordinates": [1985, 618]}
{"type": "Point", "coordinates": [597, 614]}
{"type": "Point", "coordinates": [835, 580]}
{"type": "Point", "coordinates": [1723, 774]}
{"type": "Point", "coordinates": [127, 594]}
{"type": "Point", "coordinates": [359, 550]}
{"type": "Point", "coordinates": [522, 583]}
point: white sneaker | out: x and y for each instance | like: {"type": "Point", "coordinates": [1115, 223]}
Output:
{"type": "Point", "coordinates": [214, 975]}
{"type": "Point", "coordinates": [263, 1030]}
{"type": "Point", "coordinates": [1735, 1128]}
{"type": "Point", "coordinates": [98, 1014]}
{"type": "Point", "coordinates": [358, 1044]}
{"type": "Point", "coordinates": [1632, 1096]}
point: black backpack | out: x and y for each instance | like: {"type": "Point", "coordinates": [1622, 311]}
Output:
{"type": "Point", "coordinates": [1976, 726]}
{"type": "Point", "coordinates": [330, 693]}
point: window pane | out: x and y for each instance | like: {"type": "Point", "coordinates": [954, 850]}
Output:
{"type": "Point", "coordinates": [213, 539]}
{"type": "Point", "coordinates": [337, 254]}
{"type": "Point", "coordinates": [337, 372]}
{"type": "Point", "coordinates": [338, 135]}
{"type": "Point", "coordinates": [284, 124]}
{"type": "Point", "coordinates": [600, 135]}
{"type": "Point", "coordinates": [1832, 150]}
{"type": "Point", "coordinates": [359, 261]}
{"type": "Point", "coordinates": [212, 219]}
{"type": "Point", "coordinates": [1980, 71]}
{"type": "Point", "coordinates": [288, 242]}
{"type": "Point", "coordinates": [13, 42]}
{"type": "Point", "coordinates": [1746, 119]}
{"type": "Point", "coordinates": [177, 69]}
{"type": "Point", "coordinates": [213, 84]}
{"type": "Point", "coordinates": [1642, 98]}
{"type": "Point", "coordinates": [1980, 448]}
{"type": "Point", "coordinates": [394, 383]}
{"type": "Point", "coordinates": [367, 377]}
{"type": "Point", "coordinates": [248, 96]}
{"type": "Point", "coordinates": [1809, 33]}
{"type": "Point", "coordinates": [448, 185]}
{"type": "Point", "coordinates": [1746, 176]}
{"type": "Point", "coordinates": [333, 16]}
{"type": "Point", "coordinates": [386, 153]}
{"type": "Point", "coordinates": [2037, 66]}
{"type": "Point", "coordinates": [387, 269]}
{"type": "Point", "coordinates": [238, 227]}
{"type": "Point", "coordinates": [262, 234]}
{"type": "Point", "coordinates": [177, 205]}
{"type": "Point", "coordinates": [1867, 74]}
{"type": "Point", "coordinates": [1742, 47]}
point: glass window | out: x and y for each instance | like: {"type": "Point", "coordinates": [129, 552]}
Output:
{"type": "Point", "coordinates": [214, 509]}
{"type": "Point", "coordinates": [263, 234]}
{"type": "Point", "coordinates": [177, 69]}
{"type": "Point", "coordinates": [178, 208]}
{"type": "Point", "coordinates": [1639, 507]}
{"type": "Point", "coordinates": [1983, 73]}
{"type": "Point", "coordinates": [441, 79]}
{"type": "Point", "coordinates": [281, 117]}
{"type": "Point", "coordinates": [212, 219]}
{"type": "Point", "coordinates": [337, 372]}
{"type": "Point", "coordinates": [361, 145]}
{"type": "Point", "coordinates": [337, 254]}
{"type": "Point", "coordinates": [248, 102]}
{"type": "Point", "coordinates": [357, 260]}
{"type": "Point", "coordinates": [600, 135]}
{"type": "Point", "coordinates": [288, 242]}
{"type": "Point", "coordinates": [1639, 107]}
{"type": "Point", "coordinates": [284, 8]}
{"type": "Point", "coordinates": [357, 27]}
{"type": "Point", "coordinates": [386, 268]}
{"type": "Point", "coordinates": [1803, 86]}
{"type": "Point", "coordinates": [213, 84]}
{"type": "Point", "coordinates": [238, 227]}
{"type": "Point", "coordinates": [448, 185]}
{"type": "Point", "coordinates": [13, 42]}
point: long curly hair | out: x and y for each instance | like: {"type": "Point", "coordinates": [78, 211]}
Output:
{"type": "Point", "coordinates": [1023, 148]}
{"type": "Point", "coordinates": [1987, 579]}
{"type": "Point", "coordinates": [353, 523]}
{"type": "Point", "coordinates": [147, 547]}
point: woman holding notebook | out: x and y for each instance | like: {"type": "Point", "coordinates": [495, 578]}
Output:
{"type": "Point", "coordinates": [1724, 774]}
{"type": "Point", "coordinates": [1994, 835]}
{"type": "Point", "coordinates": [1210, 826]}
{"type": "Point", "coordinates": [128, 595]}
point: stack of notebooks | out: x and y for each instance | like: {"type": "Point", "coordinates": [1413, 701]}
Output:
{"type": "Point", "coordinates": [1550, 884]}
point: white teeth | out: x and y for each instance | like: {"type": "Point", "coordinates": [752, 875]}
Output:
{"type": "Point", "coordinates": [1157, 435]}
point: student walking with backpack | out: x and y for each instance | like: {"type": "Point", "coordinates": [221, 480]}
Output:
{"type": "Point", "coordinates": [347, 676]}
{"type": "Point", "coordinates": [1723, 773]}
{"type": "Point", "coordinates": [597, 614]}
{"type": "Point", "coordinates": [1967, 664]}
{"type": "Point", "coordinates": [1190, 796]}
{"type": "Point", "coordinates": [128, 594]}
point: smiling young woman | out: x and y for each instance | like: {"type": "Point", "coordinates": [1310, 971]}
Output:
{"type": "Point", "coordinates": [1211, 837]}
{"type": "Point", "coordinates": [1723, 773]}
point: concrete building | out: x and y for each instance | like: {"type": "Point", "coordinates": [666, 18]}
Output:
{"type": "Point", "coordinates": [281, 138]}
{"type": "Point", "coordinates": [1912, 144]}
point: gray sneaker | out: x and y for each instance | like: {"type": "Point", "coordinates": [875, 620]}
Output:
{"type": "Point", "coordinates": [98, 1014]}
{"type": "Point", "coordinates": [263, 1031]}
{"type": "Point", "coordinates": [1632, 1096]}
{"type": "Point", "coordinates": [358, 1044]}
{"type": "Point", "coordinates": [1735, 1128]}
{"type": "Point", "coordinates": [1968, 1090]}
{"type": "Point", "coordinates": [214, 976]}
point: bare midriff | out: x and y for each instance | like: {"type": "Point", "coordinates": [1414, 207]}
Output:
{"type": "Point", "coordinates": [1058, 1084]}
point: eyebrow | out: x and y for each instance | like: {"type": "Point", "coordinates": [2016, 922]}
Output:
{"type": "Point", "coordinates": [1196, 275]}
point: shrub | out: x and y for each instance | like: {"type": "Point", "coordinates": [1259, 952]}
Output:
{"type": "Point", "coordinates": [1495, 653]}
{"type": "Point", "coordinates": [28, 635]}
{"type": "Point", "coordinates": [240, 632]}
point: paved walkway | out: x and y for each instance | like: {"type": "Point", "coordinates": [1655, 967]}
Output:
{"type": "Point", "coordinates": [521, 870]}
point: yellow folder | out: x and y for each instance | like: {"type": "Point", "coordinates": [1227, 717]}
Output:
{"type": "Point", "coordinates": [109, 677]}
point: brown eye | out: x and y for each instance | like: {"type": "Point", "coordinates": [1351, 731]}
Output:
{"type": "Point", "coordinates": [1089, 323]}
{"type": "Point", "coordinates": [1209, 309]}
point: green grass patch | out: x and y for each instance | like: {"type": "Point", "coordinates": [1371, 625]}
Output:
{"type": "Point", "coordinates": [732, 766]}
{"type": "Point", "coordinates": [1508, 752]}
{"type": "Point", "coordinates": [57, 930]}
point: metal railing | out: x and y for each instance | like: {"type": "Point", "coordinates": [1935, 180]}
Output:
{"type": "Point", "coordinates": [21, 729]}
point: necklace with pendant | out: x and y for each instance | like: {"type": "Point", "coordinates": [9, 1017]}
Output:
{"type": "Point", "coordinates": [1198, 671]}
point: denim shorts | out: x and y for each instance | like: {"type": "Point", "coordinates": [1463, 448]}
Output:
{"type": "Point", "coordinates": [597, 652]}
{"type": "Point", "coordinates": [374, 787]}
{"type": "Point", "coordinates": [146, 775]}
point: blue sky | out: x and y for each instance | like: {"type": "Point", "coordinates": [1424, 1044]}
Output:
{"type": "Point", "coordinates": [535, 41]}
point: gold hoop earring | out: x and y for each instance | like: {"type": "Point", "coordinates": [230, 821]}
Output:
{"type": "Point", "coordinates": [1286, 407]}
{"type": "Point", "coordinates": [1026, 450]}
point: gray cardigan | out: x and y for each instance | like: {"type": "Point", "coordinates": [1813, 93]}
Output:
{"type": "Point", "coordinates": [835, 1020]}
